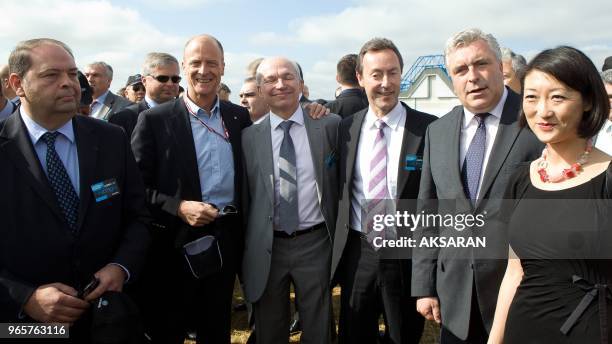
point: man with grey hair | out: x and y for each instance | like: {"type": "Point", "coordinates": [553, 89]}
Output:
{"type": "Point", "coordinates": [288, 236]}
{"type": "Point", "coordinates": [5, 87]}
{"type": "Point", "coordinates": [373, 147]}
{"type": "Point", "coordinates": [461, 293]}
{"type": "Point", "coordinates": [513, 64]}
{"type": "Point", "coordinates": [100, 76]}
{"type": "Point", "coordinates": [161, 78]}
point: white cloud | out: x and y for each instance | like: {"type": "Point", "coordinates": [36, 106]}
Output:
{"type": "Point", "coordinates": [421, 27]}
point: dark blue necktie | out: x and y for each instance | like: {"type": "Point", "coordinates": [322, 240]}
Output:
{"type": "Point", "coordinates": [67, 198]}
{"type": "Point", "coordinates": [472, 165]}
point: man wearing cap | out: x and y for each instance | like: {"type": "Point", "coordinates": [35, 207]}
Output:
{"type": "Point", "coordinates": [134, 89]}
{"type": "Point", "coordinates": [607, 64]}
{"type": "Point", "coordinates": [100, 76]}
{"type": "Point", "coordinates": [160, 81]}
{"type": "Point", "coordinates": [72, 200]}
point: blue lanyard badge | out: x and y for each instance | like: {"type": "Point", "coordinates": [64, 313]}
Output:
{"type": "Point", "coordinates": [105, 190]}
{"type": "Point", "coordinates": [413, 162]}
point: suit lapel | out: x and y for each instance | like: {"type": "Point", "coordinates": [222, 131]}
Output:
{"type": "Point", "coordinates": [24, 157]}
{"type": "Point", "coordinates": [410, 145]}
{"type": "Point", "coordinates": [180, 125]}
{"type": "Point", "coordinates": [263, 153]}
{"type": "Point", "coordinates": [87, 150]}
{"type": "Point", "coordinates": [507, 132]}
{"type": "Point", "coordinates": [355, 135]}
{"type": "Point", "coordinates": [454, 144]}
{"type": "Point", "coordinates": [106, 107]}
{"type": "Point", "coordinates": [315, 140]}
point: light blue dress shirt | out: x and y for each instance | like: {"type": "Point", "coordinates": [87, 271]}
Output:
{"type": "Point", "coordinates": [214, 156]}
{"type": "Point", "coordinates": [65, 146]}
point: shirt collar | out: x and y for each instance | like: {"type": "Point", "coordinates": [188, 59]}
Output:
{"type": "Point", "coordinates": [497, 110]}
{"type": "Point", "coordinates": [297, 117]}
{"type": "Point", "coordinates": [198, 110]}
{"type": "Point", "coordinates": [102, 98]}
{"type": "Point", "coordinates": [391, 119]}
{"type": "Point", "coordinates": [36, 131]}
{"type": "Point", "coordinates": [152, 103]}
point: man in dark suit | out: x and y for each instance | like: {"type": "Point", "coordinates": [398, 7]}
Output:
{"type": "Point", "coordinates": [189, 152]}
{"type": "Point", "coordinates": [351, 98]}
{"type": "Point", "coordinates": [161, 80]}
{"type": "Point", "coordinates": [100, 76]}
{"type": "Point", "coordinates": [469, 156]}
{"type": "Point", "coordinates": [373, 146]}
{"type": "Point", "coordinates": [72, 200]}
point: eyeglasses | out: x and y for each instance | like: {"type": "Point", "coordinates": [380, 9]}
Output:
{"type": "Point", "coordinates": [164, 78]}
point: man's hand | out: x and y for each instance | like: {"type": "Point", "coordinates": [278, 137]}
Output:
{"type": "Point", "coordinates": [55, 303]}
{"type": "Point", "coordinates": [111, 277]}
{"type": "Point", "coordinates": [317, 110]}
{"type": "Point", "coordinates": [429, 307]}
{"type": "Point", "coordinates": [197, 214]}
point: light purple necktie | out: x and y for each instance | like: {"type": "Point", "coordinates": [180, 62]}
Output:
{"type": "Point", "coordinates": [377, 186]}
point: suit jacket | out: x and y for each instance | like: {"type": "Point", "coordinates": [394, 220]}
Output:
{"type": "Point", "coordinates": [259, 192]}
{"type": "Point", "coordinates": [128, 117]}
{"type": "Point", "coordinates": [348, 102]}
{"type": "Point", "coordinates": [435, 272]}
{"type": "Point", "coordinates": [37, 247]}
{"type": "Point", "coordinates": [164, 149]}
{"type": "Point", "coordinates": [112, 104]}
{"type": "Point", "coordinates": [407, 181]}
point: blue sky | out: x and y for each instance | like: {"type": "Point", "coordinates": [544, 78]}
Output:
{"type": "Point", "coordinates": [315, 33]}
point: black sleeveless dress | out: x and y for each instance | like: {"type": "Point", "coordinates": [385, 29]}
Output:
{"type": "Point", "coordinates": [565, 294]}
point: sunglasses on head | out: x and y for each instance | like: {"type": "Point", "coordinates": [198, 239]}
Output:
{"type": "Point", "coordinates": [164, 78]}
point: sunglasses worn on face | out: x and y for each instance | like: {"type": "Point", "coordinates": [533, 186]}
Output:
{"type": "Point", "coordinates": [138, 87]}
{"type": "Point", "coordinates": [164, 78]}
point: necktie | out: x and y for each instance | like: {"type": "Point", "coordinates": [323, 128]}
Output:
{"type": "Point", "coordinates": [92, 107]}
{"type": "Point", "coordinates": [472, 165]}
{"type": "Point", "coordinates": [67, 198]}
{"type": "Point", "coordinates": [287, 173]}
{"type": "Point", "coordinates": [377, 186]}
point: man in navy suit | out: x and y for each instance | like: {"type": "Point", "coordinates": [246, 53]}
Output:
{"type": "Point", "coordinates": [72, 201]}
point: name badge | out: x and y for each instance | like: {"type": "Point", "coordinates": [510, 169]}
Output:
{"type": "Point", "coordinates": [105, 190]}
{"type": "Point", "coordinates": [413, 162]}
{"type": "Point", "coordinates": [331, 159]}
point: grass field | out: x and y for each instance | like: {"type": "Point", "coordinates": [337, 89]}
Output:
{"type": "Point", "coordinates": [241, 331]}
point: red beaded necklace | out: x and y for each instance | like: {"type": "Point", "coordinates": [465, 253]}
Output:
{"type": "Point", "coordinates": [567, 173]}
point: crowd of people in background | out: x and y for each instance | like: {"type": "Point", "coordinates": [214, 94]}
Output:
{"type": "Point", "coordinates": [155, 198]}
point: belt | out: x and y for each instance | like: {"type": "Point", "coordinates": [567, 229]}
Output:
{"type": "Point", "coordinates": [283, 234]}
{"type": "Point", "coordinates": [602, 292]}
{"type": "Point", "coordinates": [360, 234]}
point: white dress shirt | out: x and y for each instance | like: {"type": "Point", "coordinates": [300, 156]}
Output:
{"type": "Point", "coordinates": [468, 130]}
{"type": "Point", "coordinates": [603, 140]}
{"type": "Point", "coordinates": [307, 188]}
{"type": "Point", "coordinates": [394, 135]}
{"type": "Point", "coordinates": [97, 105]}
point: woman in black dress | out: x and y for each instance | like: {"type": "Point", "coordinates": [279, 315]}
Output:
{"type": "Point", "coordinates": [557, 284]}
